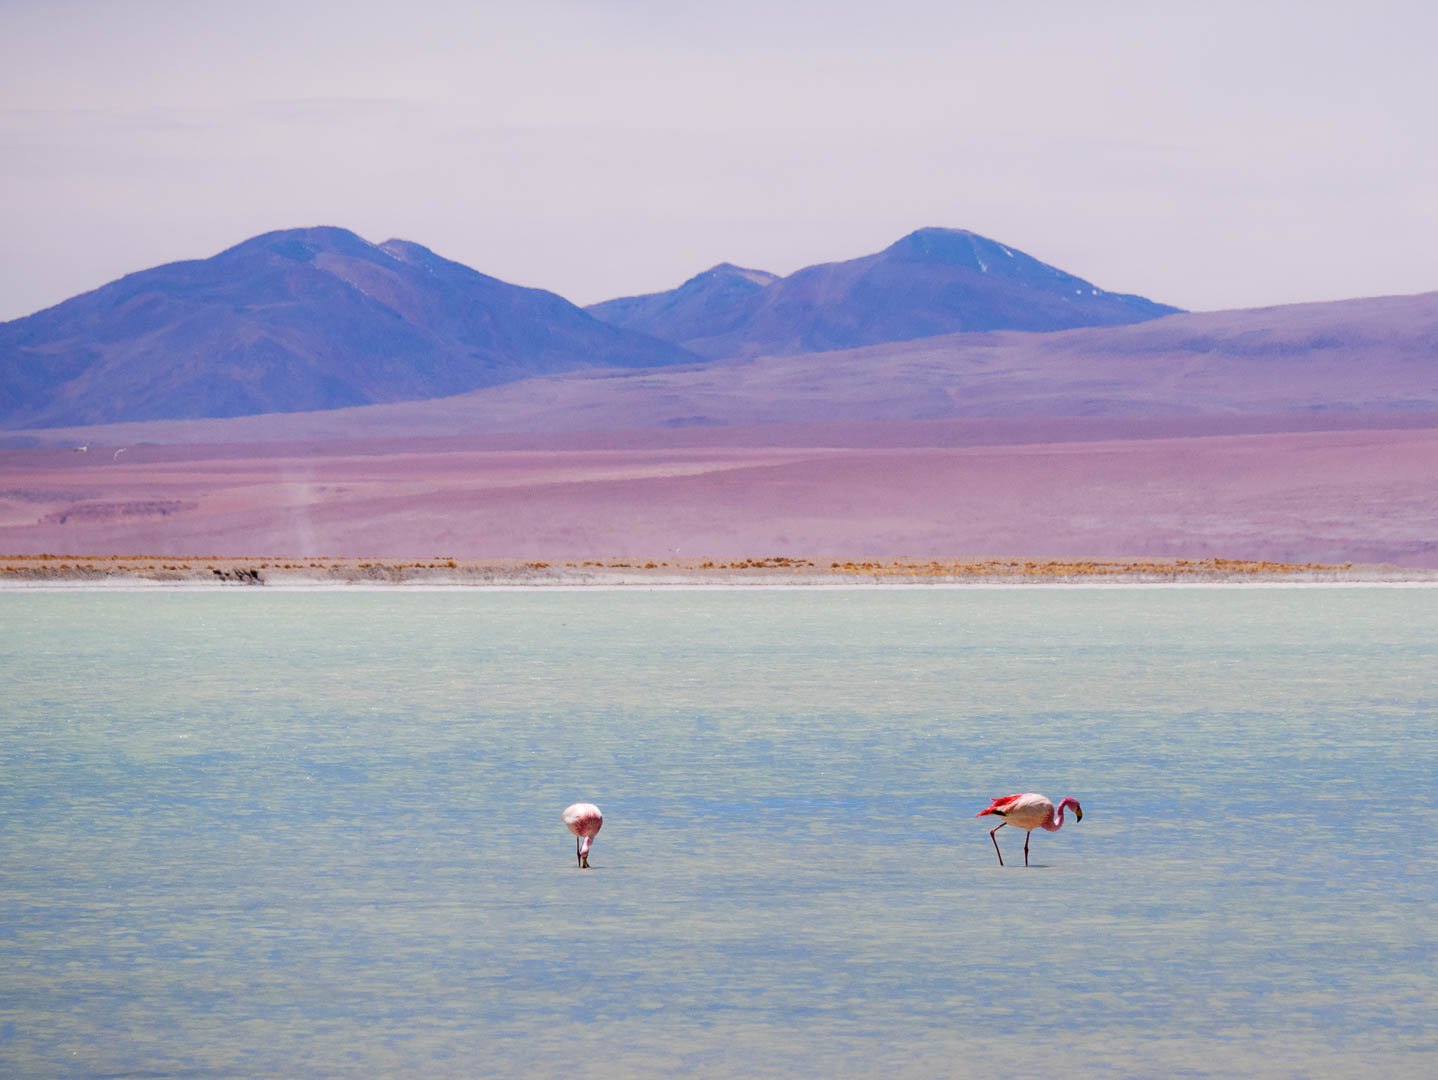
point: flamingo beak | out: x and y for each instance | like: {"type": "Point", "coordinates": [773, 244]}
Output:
{"type": "Point", "coordinates": [1078, 813]}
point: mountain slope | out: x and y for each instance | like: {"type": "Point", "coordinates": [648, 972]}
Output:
{"type": "Point", "coordinates": [1367, 362]}
{"type": "Point", "coordinates": [708, 304]}
{"type": "Point", "coordinates": [933, 281]}
{"type": "Point", "coordinates": [300, 319]}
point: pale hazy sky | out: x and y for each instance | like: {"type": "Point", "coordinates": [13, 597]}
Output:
{"type": "Point", "coordinates": [1213, 154]}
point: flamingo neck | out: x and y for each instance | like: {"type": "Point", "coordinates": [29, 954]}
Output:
{"type": "Point", "coordinates": [584, 847]}
{"type": "Point", "coordinates": [1056, 823]}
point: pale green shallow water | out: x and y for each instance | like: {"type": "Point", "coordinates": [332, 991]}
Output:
{"type": "Point", "coordinates": [310, 835]}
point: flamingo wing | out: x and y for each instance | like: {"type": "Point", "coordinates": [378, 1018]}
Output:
{"type": "Point", "coordinates": [1000, 806]}
{"type": "Point", "coordinates": [582, 819]}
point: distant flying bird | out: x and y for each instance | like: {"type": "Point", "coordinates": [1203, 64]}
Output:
{"type": "Point", "coordinates": [583, 820]}
{"type": "Point", "coordinates": [1028, 811]}
{"type": "Point", "coordinates": [81, 449]}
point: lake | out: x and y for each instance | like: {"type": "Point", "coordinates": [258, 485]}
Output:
{"type": "Point", "coordinates": [260, 833]}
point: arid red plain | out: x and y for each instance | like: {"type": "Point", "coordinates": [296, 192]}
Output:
{"type": "Point", "coordinates": [1106, 489]}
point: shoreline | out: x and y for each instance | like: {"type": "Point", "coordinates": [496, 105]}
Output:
{"type": "Point", "coordinates": [142, 573]}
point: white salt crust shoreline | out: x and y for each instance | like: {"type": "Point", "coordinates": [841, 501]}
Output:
{"type": "Point", "coordinates": [69, 573]}
{"type": "Point", "coordinates": [1111, 586]}
{"type": "Point", "coordinates": [139, 585]}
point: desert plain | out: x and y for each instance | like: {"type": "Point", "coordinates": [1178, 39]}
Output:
{"type": "Point", "coordinates": [953, 499]}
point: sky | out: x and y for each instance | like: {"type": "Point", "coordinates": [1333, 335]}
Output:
{"type": "Point", "coordinates": [1209, 155]}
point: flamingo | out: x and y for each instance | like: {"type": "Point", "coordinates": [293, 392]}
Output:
{"type": "Point", "coordinates": [583, 820]}
{"type": "Point", "coordinates": [1028, 811]}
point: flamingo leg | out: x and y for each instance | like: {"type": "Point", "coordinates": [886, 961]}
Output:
{"type": "Point", "coordinates": [995, 839]}
{"type": "Point", "coordinates": [1027, 837]}
{"type": "Point", "coordinates": [578, 857]}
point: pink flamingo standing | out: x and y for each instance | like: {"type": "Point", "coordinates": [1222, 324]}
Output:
{"type": "Point", "coordinates": [583, 820]}
{"type": "Point", "coordinates": [1028, 811]}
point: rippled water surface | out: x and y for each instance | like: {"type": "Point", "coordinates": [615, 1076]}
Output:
{"type": "Point", "coordinates": [257, 833]}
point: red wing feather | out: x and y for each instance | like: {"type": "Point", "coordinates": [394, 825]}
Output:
{"type": "Point", "coordinates": [998, 804]}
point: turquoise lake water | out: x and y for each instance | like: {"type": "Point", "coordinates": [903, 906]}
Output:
{"type": "Point", "coordinates": [257, 833]}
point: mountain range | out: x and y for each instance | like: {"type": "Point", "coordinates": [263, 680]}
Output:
{"type": "Point", "coordinates": [300, 319]}
{"type": "Point", "coordinates": [933, 281]}
{"type": "Point", "coordinates": [318, 318]}
{"type": "Point", "coordinates": [1338, 364]}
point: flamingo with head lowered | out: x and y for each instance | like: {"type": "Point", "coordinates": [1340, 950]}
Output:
{"type": "Point", "coordinates": [583, 820]}
{"type": "Point", "coordinates": [1028, 811]}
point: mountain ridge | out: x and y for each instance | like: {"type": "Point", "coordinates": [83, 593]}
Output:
{"type": "Point", "coordinates": [1375, 357]}
{"type": "Point", "coordinates": [306, 321]}
{"type": "Point", "coordinates": [932, 281]}
{"type": "Point", "coordinates": [295, 319]}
